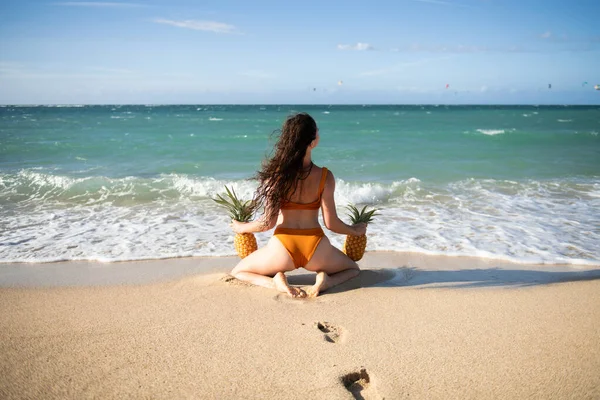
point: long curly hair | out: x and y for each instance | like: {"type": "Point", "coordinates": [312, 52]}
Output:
{"type": "Point", "coordinates": [280, 174]}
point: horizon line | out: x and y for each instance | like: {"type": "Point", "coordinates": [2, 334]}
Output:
{"type": "Point", "coordinates": [290, 104]}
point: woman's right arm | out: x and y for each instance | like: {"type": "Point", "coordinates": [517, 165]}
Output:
{"type": "Point", "coordinates": [262, 224]}
{"type": "Point", "coordinates": [330, 217]}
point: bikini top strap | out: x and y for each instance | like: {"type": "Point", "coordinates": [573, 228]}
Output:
{"type": "Point", "coordinates": [323, 179]}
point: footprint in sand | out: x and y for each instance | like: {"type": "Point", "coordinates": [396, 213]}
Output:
{"type": "Point", "coordinates": [228, 279]}
{"type": "Point", "coordinates": [287, 299]}
{"type": "Point", "coordinates": [234, 281]}
{"type": "Point", "coordinates": [332, 333]}
{"type": "Point", "coordinates": [360, 385]}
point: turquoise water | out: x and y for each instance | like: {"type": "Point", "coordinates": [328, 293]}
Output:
{"type": "Point", "coordinates": [134, 182]}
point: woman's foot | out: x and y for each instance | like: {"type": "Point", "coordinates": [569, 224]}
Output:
{"type": "Point", "coordinates": [320, 284]}
{"type": "Point", "coordinates": [282, 285]}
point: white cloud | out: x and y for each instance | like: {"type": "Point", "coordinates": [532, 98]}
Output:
{"type": "Point", "coordinates": [98, 4]}
{"type": "Point", "coordinates": [210, 26]}
{"type": "Point", "coordinates": [546, 35]}
{"type": "Point", "coordinates": [358, 46]}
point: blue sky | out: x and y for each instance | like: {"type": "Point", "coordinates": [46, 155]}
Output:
{"type": "Point", "coordinates": [332, 52]}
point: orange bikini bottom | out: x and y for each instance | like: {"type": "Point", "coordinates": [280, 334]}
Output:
{"type": "Point", "coordinates": [300, 243]}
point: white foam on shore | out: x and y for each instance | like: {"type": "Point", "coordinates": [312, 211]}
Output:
{"type": "Point", "coordinates": [47, 218]}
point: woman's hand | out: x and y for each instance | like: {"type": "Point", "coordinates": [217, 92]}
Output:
{"type": "Point", "coordinates": [238, 227]}
{"type": "Point", "coordinates": [360, 229]}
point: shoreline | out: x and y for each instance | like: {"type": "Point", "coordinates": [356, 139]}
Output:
{"type": "Point", "coordinates": [429, 269]}
{"type": "Point", "coordinates": [576, 263]}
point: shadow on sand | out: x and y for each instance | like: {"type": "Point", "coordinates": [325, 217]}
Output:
{"type": "Point", "coordinates": [463, 278]}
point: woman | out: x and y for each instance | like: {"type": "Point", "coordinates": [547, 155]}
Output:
{"type": "Point", "coordinates": [291, 190]}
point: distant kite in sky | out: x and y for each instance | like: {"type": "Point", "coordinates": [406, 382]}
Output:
{"type": "Point", "coordinates": [340, 83]}
{"type": "Point", "coordinates": [597, 87]}
{"type": "Point", "coordinates": [447, 85]}
{"type": "Point", "coordinates": [584, 83]}
{"type": "Point", "coordinates": [549, 86]}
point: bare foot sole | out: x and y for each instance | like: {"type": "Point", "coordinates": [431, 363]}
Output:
{"type": "Point", "coordinates": [320, 281]}
{"type": "Point", "coordinates": [282, 285]}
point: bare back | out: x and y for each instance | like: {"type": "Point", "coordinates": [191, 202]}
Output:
{"type": "Point", "coordinates": [307, 191]}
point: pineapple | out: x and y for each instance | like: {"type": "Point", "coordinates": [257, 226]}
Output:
{"type": "Point", "coordinates": [244, 243]}
{"type": "Point", "coordinates": [354, 246]}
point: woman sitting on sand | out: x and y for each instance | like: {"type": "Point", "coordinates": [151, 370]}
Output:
{"type": "Point", "coordinates": [291, 190]}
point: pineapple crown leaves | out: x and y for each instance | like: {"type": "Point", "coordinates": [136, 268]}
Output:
{"type": "Point", "coordinates": [358, 216]}
{"type": "Point", "coordinates": [238, 210]}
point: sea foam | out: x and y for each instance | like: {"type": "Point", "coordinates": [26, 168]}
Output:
{"type": "Point", "coordinates": [50, 218]}
{"type": "Point", "coordinates": [491, 132]}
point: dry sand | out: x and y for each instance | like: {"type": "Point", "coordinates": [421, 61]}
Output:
{"type": "Point", "coordinates": [408, 327]}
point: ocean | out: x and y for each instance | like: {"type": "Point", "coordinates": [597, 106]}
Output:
{"type": "Point", "coordinates": [131, 182]}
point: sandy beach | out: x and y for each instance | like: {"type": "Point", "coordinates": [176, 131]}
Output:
{"type": "Point", "coordinates": [409, 326]}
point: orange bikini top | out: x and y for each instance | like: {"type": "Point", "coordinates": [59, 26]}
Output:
{"type": "Point", "coordinates": [290, 205]}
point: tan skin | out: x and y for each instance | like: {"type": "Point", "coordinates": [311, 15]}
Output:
{"type": "Point", "coordinates": [266, 266]}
